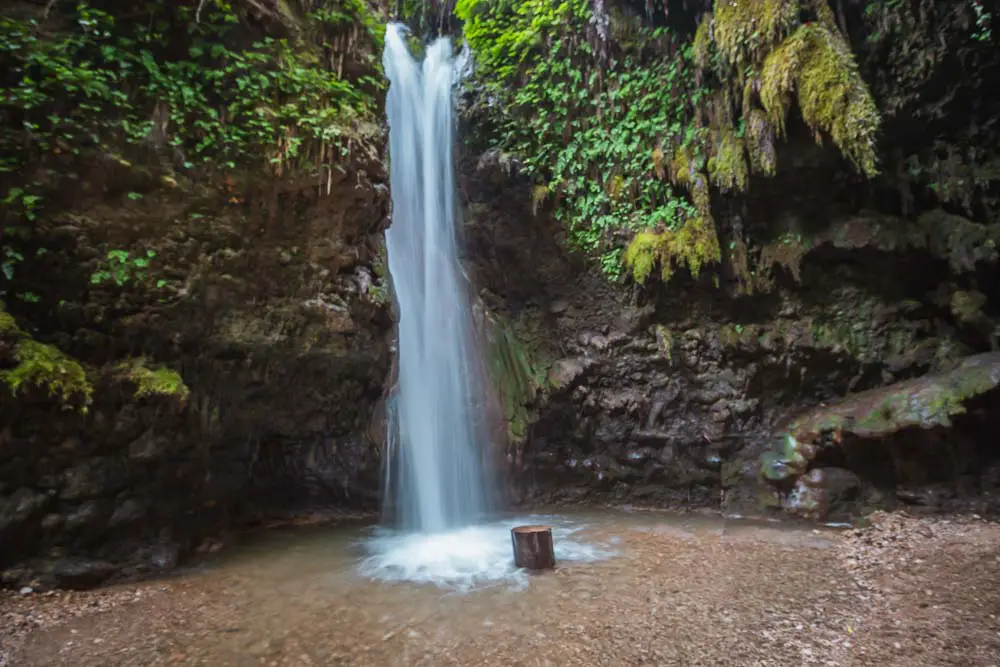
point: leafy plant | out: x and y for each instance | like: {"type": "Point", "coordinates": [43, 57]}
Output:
{"type": "Point", "coordinates": [183, 82]}
{"type": "Point", "coordinates": [588, 130]}
{"type": "Point", "coordinates": [120, 268]}
{"type": "Point", "coordinates": [627, 131]}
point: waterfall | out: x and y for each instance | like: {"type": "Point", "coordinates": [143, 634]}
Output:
{"type": "Point", "coordinates": [436, 477]}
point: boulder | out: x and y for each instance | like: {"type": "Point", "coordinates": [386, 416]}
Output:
{"type": "Point", "coordinates": [81, 573]}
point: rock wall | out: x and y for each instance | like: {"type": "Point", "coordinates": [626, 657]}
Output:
{"type": "Point", "coordinates": [268, 303]}
{"type": "Point", "coordinates": [670, 394]}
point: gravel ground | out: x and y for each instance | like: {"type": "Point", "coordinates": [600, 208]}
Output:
{"type": "Point", "coordinates": [908, 592]}
{"type": "Point", "coordinates": [937, 590]}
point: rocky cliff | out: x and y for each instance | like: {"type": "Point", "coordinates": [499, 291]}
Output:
{"type": "Point", "coordinates": [267, 306]}
{"type": "Point", "coordinates": [671, 395]}
{"type": "Point", "coordinates": [196, 317]}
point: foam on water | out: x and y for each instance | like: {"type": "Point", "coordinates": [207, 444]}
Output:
{"type": "Point", "coordinates": [471, 557]}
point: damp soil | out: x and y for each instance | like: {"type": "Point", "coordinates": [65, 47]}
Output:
{"type": "Point", "coordinates": [682, 590]}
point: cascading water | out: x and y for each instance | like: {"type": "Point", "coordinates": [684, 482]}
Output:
{"type": "Point", "coordinates": [437, 484]}
{"type": "Point", "coordinates": [437, 478]}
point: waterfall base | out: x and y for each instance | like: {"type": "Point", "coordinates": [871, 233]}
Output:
{"type": "Point", "coordinates": [472, 557]}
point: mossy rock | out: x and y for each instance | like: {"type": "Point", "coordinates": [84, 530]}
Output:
{"type": "Point", "coordinates": [152, 382]}
{"type": "Point", "coordinates": [925, 402]}
{"type": "Point", "coordinates": [519, 368]}
{"type": "Point", "coordinates": [963, 242]}
{"type": "Point", "coordinates": [46, 367]}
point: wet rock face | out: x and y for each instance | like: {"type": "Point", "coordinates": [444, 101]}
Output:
{"type": "Point", "coordinates": [269, 310]}
{"type": "Point", "coordinates": [670, 394]}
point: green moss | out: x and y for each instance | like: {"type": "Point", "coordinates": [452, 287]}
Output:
{"type": "Point", "coordinates": [665, 340]}
{"type": "Point", "coordinates": [642, 254]}
{"type": "Point", "coordinates": [44, 366]}
{"type": "Point", "coordinates": [701, 46]}
{"type": "Point", "coordinates": [727, 168]}
{"type": "Point", "coordinates": [682, 166]}
{"type": "Point", "coordinates": [786, 252]}
{"type": "Point", "coordinates": [518, 370]}
{"type": "Point", "coordinates": [8, 325]}
{"type": "Point", "coordinates": [380, 291]}
{"type": "Point", "coordinates": [692, 246]}
{"type": "Point", "coordinates": [967, 306]}
{"type": "Point", "coordinates": [746, 30]}
{"type": "Point", "coordinates": [760, 142]}
{"type": "Point", "coordinates": [153, 381]}
{"type": "Point", "coordinates": [818, 66]}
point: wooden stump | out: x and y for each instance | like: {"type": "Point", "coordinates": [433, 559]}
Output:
{"type": "Point", "coordinates": [533, 548]}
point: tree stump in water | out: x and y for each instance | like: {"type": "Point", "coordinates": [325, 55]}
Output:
{"type": "Point", "coordinates": [533, 547]}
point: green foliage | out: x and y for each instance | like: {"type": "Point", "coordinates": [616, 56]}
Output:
{"type": "Point", "coordinates": [153, 382]}
{"type": "Point", "coordinates": [121, 268]}
{"type": "Point", "coordinates": [628, 139]}
{"type": "Point", "coordinates": [93, 79]}
{"type": "Point", "coordinates": [188, 82]}
{"type": "Point", "coordinates": [589, 132]}
{"type": "Point", "coordinates": [984, 22]}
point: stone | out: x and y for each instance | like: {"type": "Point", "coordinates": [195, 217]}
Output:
{"type": "Point", "coordinates": [19, 507]}
{"type": "Point", "coordinates": [165, 556]}
{"type": "Point", "coordinates": [82, 573]}
{"type": "Point", "coordinates": [148, 447]}
{"type": "Point", "coordinates": [566, 371]}
{"type": "Point", "coordinates": [842, 485]}
{"type": "Point", "coordinates": [100, 476]}
{"type": "Point", "coordinates": [809, 498]}
{"type": "Point", "coordinates": [87, 516]}
{"type": "Point", "coordinates": [129, 511]}
{"type": "Point", "coordinates": [925, 402]}
{"type": "Point", "coordinates": [639, 456]}
{"type": "Point", "coordinates": [733, 473]}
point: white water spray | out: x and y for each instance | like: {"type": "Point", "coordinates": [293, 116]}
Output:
{"type": "Point", "coordinates": [436, 477]}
